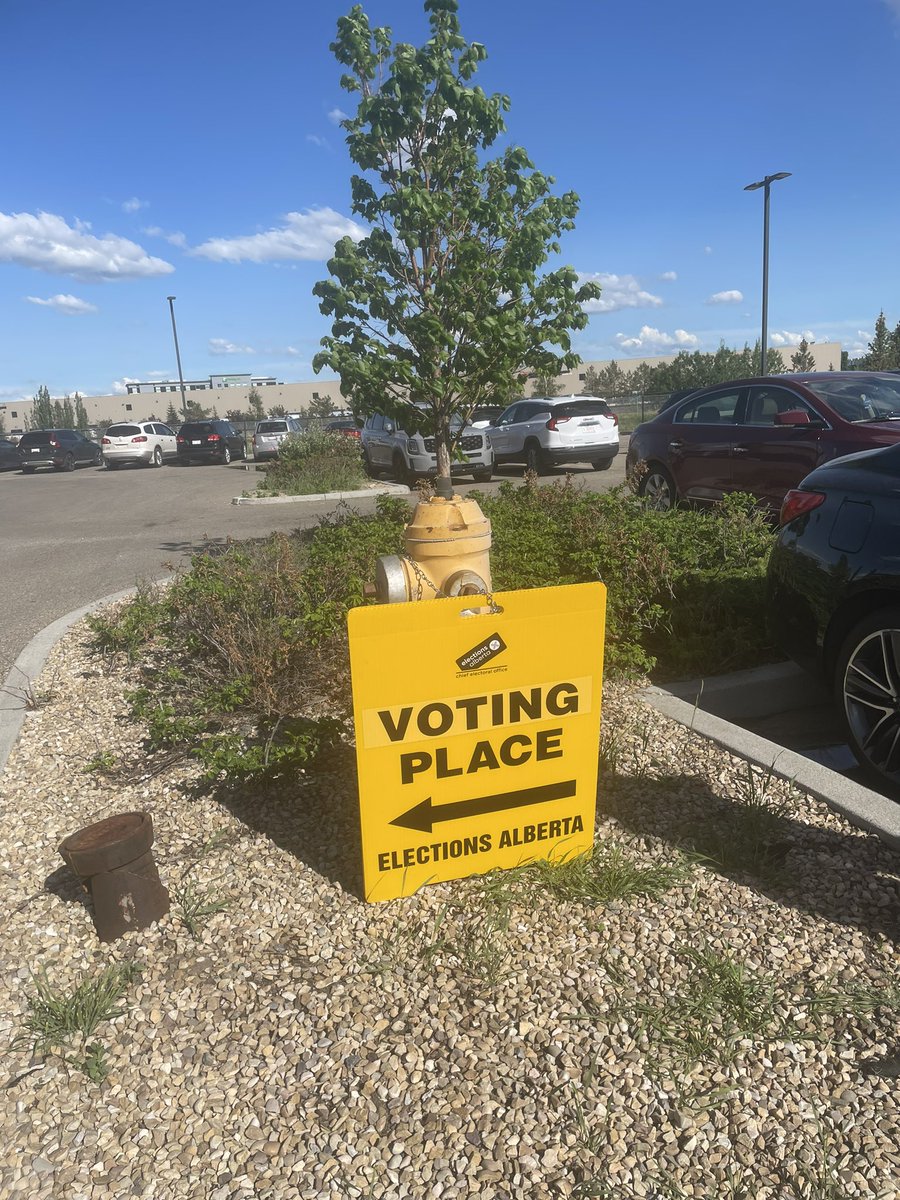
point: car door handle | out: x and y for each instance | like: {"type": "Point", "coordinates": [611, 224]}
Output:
{"type": "Point", "coordinates": [739, 450]}
{"type": "Point", "coordinates": [675, 445]}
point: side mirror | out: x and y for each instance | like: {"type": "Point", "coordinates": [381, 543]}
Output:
{"type": "Point", "coordinates": [389, 427]}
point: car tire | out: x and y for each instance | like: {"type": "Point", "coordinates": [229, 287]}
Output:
{"type": "Point", "coordinates": [602, 464]}
{"type": "Point", "coordinates": [658, 489]}
{"type": "Point", "coordinates": [226, 456]}
{"type": "Point", "coordinates": [534, 459]}
{"type": "Point", "coordinates": [156, 460]}
{"type": "Point", "coordinates": [111, 466]}
{"type": "Point", "coordinates": [483, 476]}
{"type": "Point", "coordinates": [399, 469]}
{"type": "Point", "coordinates": [867, 690]}
{"type": "Point", "coordinates": [68, 463]}
{"type": "Point", "coordinates": [368, 466]}
{"type": "Point", "coordinates": [28, 470]}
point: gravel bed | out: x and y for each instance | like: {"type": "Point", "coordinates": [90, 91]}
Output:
{"type": "Point", "coordinates": [480, 1038]}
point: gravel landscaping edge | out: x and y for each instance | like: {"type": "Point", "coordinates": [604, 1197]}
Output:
{"type": "Point", "coordinates": [381, 489]}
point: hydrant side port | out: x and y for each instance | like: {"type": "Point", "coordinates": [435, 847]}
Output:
{"type": "Point", "coordinates": [447, 546]}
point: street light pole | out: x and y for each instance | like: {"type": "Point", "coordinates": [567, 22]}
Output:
{"type": "Point", "coordinates": [171, 300]}
{"type": "Point", "coordinates": [752, 187]}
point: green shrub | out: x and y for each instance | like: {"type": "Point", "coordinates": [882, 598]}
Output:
{"type": "Point", "coordinates": [315, 461]}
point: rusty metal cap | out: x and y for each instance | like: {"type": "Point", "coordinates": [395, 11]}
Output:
{"type": "Point", "coordinates": [108, 844]}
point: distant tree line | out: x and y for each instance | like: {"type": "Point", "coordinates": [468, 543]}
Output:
{"type": "Point", "coordinates": [883, 353]}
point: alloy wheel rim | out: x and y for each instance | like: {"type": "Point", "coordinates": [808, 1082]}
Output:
{"type": "Point", "coordinates": [872, 699]}
{"type": "Point", "coordinates": [656, 491]}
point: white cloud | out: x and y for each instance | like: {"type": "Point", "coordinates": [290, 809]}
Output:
{"type": "Point", "coordinates": [292, 350]}
{"type": "Point", "coordinates": [336, 115]}
{"type": "Point", "coordinates": [668, 276]}
{"type": "Point", "coordinates": [120, 385]}
{"type": "Point", "coordinates": [47, 243]}
{"type": "Point", "coordinates": [134, 204]}
{"type": "Point", "coordinates": [650, 340]}
{"type": "Point", "coordinates": [860, 344]}
{"type": "Point", "coordinates": [619, 291]}
{"type": "Point", "coordinates": [318, 141]}
{"type": "Point", "coordinates": [784, 337]}
{"type": "Point", "coordinates": [70, 305]}
{"type": "Point", "coordinates": [221, 346]}
{"type": "Point", "coordinates": [176, 239]}
{"type": "Point", "coordinates": [707, 249]}
{"type": "Point", "coordinates": [731, 297]}
{"type": "Point", "coordinates": [308, 236]}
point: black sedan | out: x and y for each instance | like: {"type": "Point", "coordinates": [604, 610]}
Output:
{"type": "Point", "coordinates": [834, 595]}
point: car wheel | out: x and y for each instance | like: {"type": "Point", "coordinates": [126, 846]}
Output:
{"type": "Point", "coordinates": [534, 459]}
{"type": "Point", "coordinates": [28, 470]}
{"type": "Point", "coordinates": [658, 489]}
{"type": "Point", "coordinates": [483, 476]}
{"type": "Point", "coordinates": [111, 466]}
{"type": "Point", "coordinates": [399, 468]}
{"type": "Point", "coordinates": [68, 463]}
{"type": "Point", "coordinates": [156, 461]}
{"type": "Point", "coordinates": [602, 464]}
{"type": "Point", "coordinates": [226, 456]}
{"type": "Point", "coordinates": [867, 689]}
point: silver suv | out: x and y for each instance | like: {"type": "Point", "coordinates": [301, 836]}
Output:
{"type": "Point", "coordinates": [386, 447]}
{"type": "Point", "coordinates": [269, 434]}
{"type": "Point", "coordinates": [540, 432]}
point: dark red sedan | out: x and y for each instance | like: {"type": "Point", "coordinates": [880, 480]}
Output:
{"type": "Point", "coordinates": [761, 435]}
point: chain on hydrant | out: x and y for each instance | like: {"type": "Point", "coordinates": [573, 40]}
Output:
{"type": "Point", "coordinates": [447, 553]}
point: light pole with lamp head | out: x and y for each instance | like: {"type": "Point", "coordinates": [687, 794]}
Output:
{"type": "Point", "coordinates": [171, 300]}
{"type": "Point", "coordinates": [752, 187]}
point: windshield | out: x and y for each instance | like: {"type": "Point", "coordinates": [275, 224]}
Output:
{"type": "Point", "coordinates": [866, 400]}
{"type": "Point", "coordinates": [272, 427]}
{"type": "Point", "coordinates": [122, 430]}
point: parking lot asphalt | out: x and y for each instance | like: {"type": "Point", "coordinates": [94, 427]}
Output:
{"type": "Point", "coordinates": [71, 538]}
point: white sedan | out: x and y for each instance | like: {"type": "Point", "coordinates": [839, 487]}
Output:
{"type": "Point", "coordinates": [147, 442]}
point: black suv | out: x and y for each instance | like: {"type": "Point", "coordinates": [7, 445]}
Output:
{"type": "Point", "coordinates": [210, 441]}
{"type": "Point", "coordinates": [62, 449]}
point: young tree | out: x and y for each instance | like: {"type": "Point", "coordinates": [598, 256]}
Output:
{"type": "Point", "coordinates": [255, 405]}
{"type": "Point", "coordinates": [320, 406]}
{"type": "Point", "coordinates": [277, 410]}
{"type": "Point", "coordinates": [81, 417]}
{"type": "Point", "coordinates": [545, 383]}
{"type": "Point", "coordinates": [880, 357]}
{"type": "Point", "coordinates": [195, 412]}
{"type": "Point", "coordinates": [895, 348]}
{"type": "Point", "coordinates": [172, 417]}
{"type": "Point", "coordinates": [443, 301]}
{"type": "Point", "coordinates": [802, 358]}
{"type": "Point", "coordinates": [42, 416]}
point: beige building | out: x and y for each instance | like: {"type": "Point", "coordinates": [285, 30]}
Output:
{"type": "Point", "coordinates": [224, 393]}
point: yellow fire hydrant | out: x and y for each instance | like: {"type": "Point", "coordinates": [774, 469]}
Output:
{"type": "Point", "coordinates": [447, 553]}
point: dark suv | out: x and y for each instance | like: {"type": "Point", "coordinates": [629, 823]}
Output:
{"type": "Point", "coordinates": [62, 449]}
{"type": "Point", "coordinates": [210, 441]}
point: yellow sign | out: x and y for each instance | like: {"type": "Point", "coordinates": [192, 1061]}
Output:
{"type": "Point", "coordinates": [477, 733]}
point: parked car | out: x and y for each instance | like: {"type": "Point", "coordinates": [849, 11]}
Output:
{"type": "Point", "coordinates": [209, 441]}
{"type": "Point", "coordinates": [148, 443]}
{"type": "Point", "coordinates": [833, 594]}
{"type": "Point", "coordinates": [486, 414]}
{"type": "Point", "coordinates": [386, 447]}
{"type": "Point", "coordinates": [761, 436]}
{"type": "Point", "coordinates": [9, 458]}
{"type": "Point", "coordinates": [348, 427]}
{"type": "Point", "coordinates": [62, 449]}
{"type": "Point", "coordinates": [269, 434]}
{"type": "Point", "coordinates": [542, 432]}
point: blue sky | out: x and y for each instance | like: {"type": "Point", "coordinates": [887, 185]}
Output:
{"type": "Point", "coordinates": [191, 149]}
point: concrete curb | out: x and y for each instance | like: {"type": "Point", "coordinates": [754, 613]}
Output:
{"type": "Point", "coordinates": [29, 665]}
{"type": "Point", "coordinates": [381, 489]}
{"type": "Point", "coordinates": [862, 807]}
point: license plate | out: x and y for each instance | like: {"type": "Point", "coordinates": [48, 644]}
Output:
{"type": "Point", "coordinates": [35, 450]}
{"type": "Point", "coordinates": [196, 442]}
{"type": "Point", "coordinates": [592, 421]}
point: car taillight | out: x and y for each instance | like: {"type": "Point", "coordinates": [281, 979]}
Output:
{"type": "Point", "coordinates": [54, 442]}
{"type": "Point", "coordinates": [555, 422]}
{"type": "Point", "coordinates": [142, 438]}
{"type": "Point", "coordinates": [105, 442]}
{"type": "Point", "coordinates": [796, 503]}
{"type": "Point", "coordinates": [213, 437]}
{"type": "Point", "coordinates": [615, 417]}
{"type": "Point", "coordinates": [179, 438]}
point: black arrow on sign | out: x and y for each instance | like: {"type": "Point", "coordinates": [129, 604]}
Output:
{"type": "Point", "coordinates": [424, 815]}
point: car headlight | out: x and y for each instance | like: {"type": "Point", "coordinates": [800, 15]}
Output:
{"type": "Point", "coordinates": [487, 442]}
{"type": "Point", "coordinates": [413, 447]}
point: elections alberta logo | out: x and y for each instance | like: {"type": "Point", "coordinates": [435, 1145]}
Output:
{"type": "Point", "coordinates": [482, 653]}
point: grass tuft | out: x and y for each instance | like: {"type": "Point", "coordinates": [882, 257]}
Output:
{"type": "Point", "coordinates": [607, 874]}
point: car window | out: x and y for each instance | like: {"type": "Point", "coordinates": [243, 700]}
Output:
{"type": "Point", "coordinates": [38, 437]}
{"type": "Point", "coordinates": [719, 408]}
{"type": "Point", "coordinates": [163, 430]}
{"type": "Point", "coordinates": [272, 427]}
{"type": "Point", "coordinates": [864, 400]}
{"type": "Point", "coordinates": [197, 429]}
{"type": "Point", "coordinates": [123, 430]}
{"type": "Point", "coordinates": [765, 404]}
{"type": "Point", "coordinates": [377, 422]}
{"type": "Point", "coordinates": [511, 415]}
{"type": "Point", "coordinates": [582, 408]}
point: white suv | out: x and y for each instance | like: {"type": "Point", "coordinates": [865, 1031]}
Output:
{"type": "Point", "coordinates": [407, 456]}
{"type": "Point", "coordinates": [146, 442]}
{"type": "Point", "coordinates": [543, 431]}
